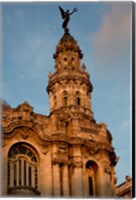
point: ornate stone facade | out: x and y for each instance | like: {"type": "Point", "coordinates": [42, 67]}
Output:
{"type": "Point", "coordinates": [66, 153]}
{"type": "Point", "coordinates": [124, 189]}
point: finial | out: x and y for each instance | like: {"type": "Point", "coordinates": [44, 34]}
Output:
{"type": "Point", "coordinates": [66, 16]}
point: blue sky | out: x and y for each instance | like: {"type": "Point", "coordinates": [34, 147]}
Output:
{"type": "Point", "coordinates": [30, 33]}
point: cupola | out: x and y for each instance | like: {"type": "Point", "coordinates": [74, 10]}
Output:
{"type": "Point", "coordinates": [68, 54]}
{"type": "Point", "coordinates": [69, 87]}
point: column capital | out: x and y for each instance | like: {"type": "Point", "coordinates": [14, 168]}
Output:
{"type": "Point", "coordinates": [59, 161]}
{"type": "Point", "coordinates": [77, 164]}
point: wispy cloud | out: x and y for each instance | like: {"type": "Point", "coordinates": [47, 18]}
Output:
{"type": "Point", "coordinates": [112, 40]}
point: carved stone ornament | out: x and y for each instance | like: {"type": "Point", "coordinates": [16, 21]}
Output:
{"type": "Point", "coordinates": [77, 164]}
{"type": "Point", "coordinates": [85, 153]}
{"type": "Point", "coordinates": [57, 161]}
{"type": "Point", "coordinates": [24, 135]}
{"type": "Point", "coordinates": [45, 150]}
{"type": "Point", "coordinates": [106, 168]}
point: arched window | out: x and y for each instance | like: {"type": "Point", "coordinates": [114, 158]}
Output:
{"type": "Point", "coordinates": [91, 171]}
{"type": "Point", "coordinates": [78, 99]}
{"type": "Point", "coordinates": [65, 98]}
{"type": "Point", "coordinates": [22, 170]}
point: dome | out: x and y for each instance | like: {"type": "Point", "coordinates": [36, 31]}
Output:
{"type": "Point", "coordinates": [67, 42]}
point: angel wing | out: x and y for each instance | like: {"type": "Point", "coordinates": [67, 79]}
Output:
{"type": "Point", "coordinates": [63, 14]}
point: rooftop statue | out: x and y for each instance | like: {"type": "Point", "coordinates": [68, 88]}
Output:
{"type": "Point", "coordinates": [66, 16]}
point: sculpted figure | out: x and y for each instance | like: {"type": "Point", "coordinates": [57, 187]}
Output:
{"type": "Point", "coordinates": [66, 17]}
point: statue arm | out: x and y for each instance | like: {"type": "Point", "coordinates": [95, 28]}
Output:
{"type": "Point", "coordinates": [74, 10]}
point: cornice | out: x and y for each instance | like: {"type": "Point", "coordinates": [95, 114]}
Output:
{"type": "Point", "coordinates": [66, 76]}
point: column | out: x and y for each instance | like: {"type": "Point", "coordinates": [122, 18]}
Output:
{"type": "Point", "coordinates": [78, 182]}
{"type": "Point", "coordinates": [101, 189]}
{"type": "Point", "coordinates": [22, 173]}
{"type": "Point", "coordinates": [77, 172]}
{"type": "Point", "coordinates": [85, 183]}
{"type": "Point", "coordinates": [17, 173]}
{"type": "Point", "coordinates": [11, 174]}
{"type": "Point", "coordinates": [33, 176]}
{"type": "Point", "coordinates": [27, 174]}
{"type": "Point", "coordinates": [56, 180]}
{"type": "Point", "coordinates": [65, 181]}
{"type": "Point", "coordinates": [45, 175]}
{"type": "Point", "coordinates": [4, 174]}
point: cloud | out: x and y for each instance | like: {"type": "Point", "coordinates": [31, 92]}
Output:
{"type": "Point", "coordinates": [111, 41]}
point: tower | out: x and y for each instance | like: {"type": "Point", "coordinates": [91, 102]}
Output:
{"type": "Point", "coordinates": [66, 153]}
{"type": "Point", "coordinates": [90, 155]}
{"type": "Point", "coordinates": [69, 87]}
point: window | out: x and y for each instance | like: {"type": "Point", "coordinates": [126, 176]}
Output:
{"type": "Point", "coordinates": [78, 99]}
{"type": "Point", "coordinates": [22, 170]}
{"type": "Point", "coordinates": [91, 172]}
{"type": "Point", "coordinates": [65, 98]}
{"type": "Point", "coordinates": [90, 186]}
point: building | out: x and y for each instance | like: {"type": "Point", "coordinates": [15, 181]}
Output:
{"type": "Point", "coordinates": [66, 153]}
{"type": "Point", "coordinates": [124, 189]}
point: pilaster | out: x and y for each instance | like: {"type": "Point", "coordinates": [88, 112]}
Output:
{"type": "Point", "coordinates": [65, 180]}
{"type": "Point", "coordinates": [56, 180]}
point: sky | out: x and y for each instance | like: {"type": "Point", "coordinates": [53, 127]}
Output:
{"type": "Point", "coordinates": [30, 33]}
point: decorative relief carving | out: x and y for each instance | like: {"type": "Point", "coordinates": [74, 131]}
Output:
{"type": "Point", "coordinates": [88, 130]}
{"type": "Point", "coordinates": [85, 153]}
{"type": "Point", "coordinates": [45, 150]}
{"type": "Point", "coordinates": [106, 168]}
{"type": "Point", "coordinates": [24, 135]}
{"type": "Point", "coordinates": [62, 149]}
{"type": "Point", "coordinates": [67, 43]}
{"type": "Point", "coordinates": [44, 146]}
{"type": "Point", "coordinates": [91, 149]}
{"type": "Point", "coordinates": [98, 156]}
{"type": "Point", "coordinates": [59, 159]}
{"type": "Point", "coordinates": [22, 112]}
{"type": "Point", "coordinates": [77, 164]}
{"type": "Point", "coordinates": [6, 121]}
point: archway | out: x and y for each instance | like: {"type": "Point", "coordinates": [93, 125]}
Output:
{"type": "Point", "coordinates": [91, 177]}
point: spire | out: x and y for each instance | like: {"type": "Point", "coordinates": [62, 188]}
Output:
{"type": "Point", "coordinates": [69, 87]}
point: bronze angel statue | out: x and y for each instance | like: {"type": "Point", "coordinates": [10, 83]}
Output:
{"type": "Point", "coordinates": [66, 17]}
